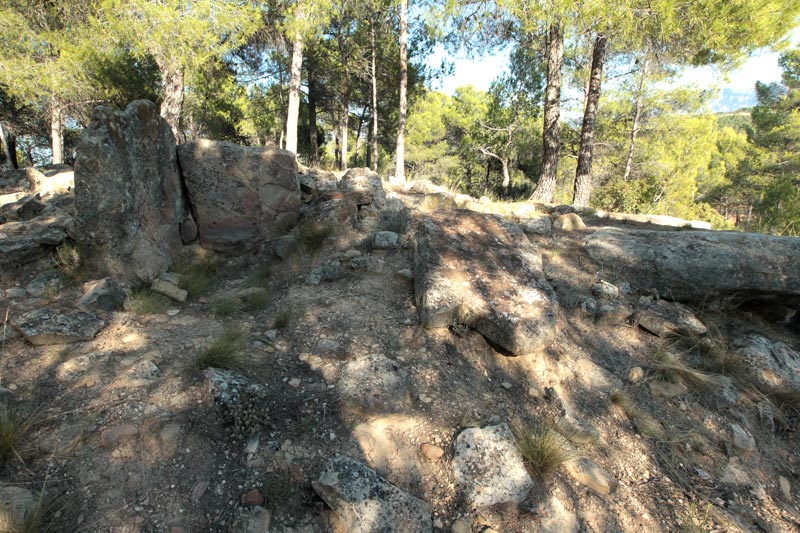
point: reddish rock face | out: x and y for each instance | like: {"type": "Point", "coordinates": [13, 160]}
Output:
{"type": "Point", "coordinates": [482, 271]}
{"type": "Point", "coordinates": [240, 195]}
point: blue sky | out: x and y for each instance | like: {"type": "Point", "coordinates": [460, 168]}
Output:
{"type": "Point", "coordinates": [762, 66]}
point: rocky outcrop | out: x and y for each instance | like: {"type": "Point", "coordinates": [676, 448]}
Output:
{"type": "Point", "coordinates": [240, 195]}
{"type": "Point", "coordinates": [128, 194]}
{"type": "Point", "coordinates": [48, 326]}
{"type": "Point", "coordinates": [28, 241]}
{"type": "Point", "coordinates": [665, 318]}
{"type": "Point", "coordinates": [481, 271]}
{"type": "Point", "coordinates": [54, 179]}
{"type": "Point", "coordinates": [366, 185]}
{"type": "Point", "coordinates": [366, 503]}
{"type": "Point", "coordinates": [489, 467]}
{"type": "Point", "coordinates": [719, 268]}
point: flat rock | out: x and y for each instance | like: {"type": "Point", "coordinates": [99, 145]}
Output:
{"type": "Point", "coordinates": [103, 295]}
{"type": "Point", "coordinates": [27, 241]}
{"type": "Point", "coordinates": [385, 240]}
{"type": "Point", "coordinates": [367, 503]}
{"type": "Point", "coordinates": [742, 439]}
{"type": "Point", "coordinates": [665, 318]}
{"type": "Point", "coordinates": [169, 290]}
{"type": "Point", "coordinates": [723, 268]}
{"type": "Point", "coordinates": [48, 326]}
{"type": "Point", "coordinates": [489, 467]}
{"type": "Point", "coordinates": [556, 518]}
{"type": "Point", "coordinates": [129, 199]}
{"type": "Point", "coordinates": [589, 473]}
{"type": "Point", "coordinates": [240, 195]}
{"type": "Point", "coordinates": [47, 281]}
{"type": "Point", "coordinates": [773, 364]}
{"type": "Point", "coordinates": [482, 271]}
{"type": "Point", "coordinates": [431, 452]}
{"type": "Point", "coordinates": [541, 225]}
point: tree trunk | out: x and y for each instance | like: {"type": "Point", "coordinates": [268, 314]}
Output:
{"type": "Point", "coordinates": [551, 144]}
{"type": "Point", "coordinates": [506, 176]}
{"type": "Point", "coordinates": [57, 130]}
{"type": "Point", "coordinates": [400, 172]}
{"type": "Point", "coordinates": [293, 113]}
{"type": "Point", "coordinates": [9, 142]}
{"type": "Point", "coordinates": [343, 129]}
{"type": "Point", "coordinates": [373, 138]}
{"type": "Point", "coordinates": [312, 111]}
{"type": "Point", "coordinates": [583, 174]}
{"type": "Point", "coordinates": [637, 117]}
{"type": "Point", "coordinates": [172, 104]}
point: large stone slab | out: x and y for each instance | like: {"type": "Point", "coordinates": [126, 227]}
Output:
{"type": "Point", "coordinates": [366, 185]}
{"type": "Point", "coordinates": [27, 241]}
{"type": "Point", "coordinates": [482, 271]}
{"type": "Point", "coordinates": [241, 195]}
{"type": "Point", "coordinates": [128, 194]}
{"type": "Point", "coordinates": [720, 268]}
{"type": "Point", "coordinates": [48, 326]}
{"type": "Point", "coordinates": [489, 467]}
{"type": "Point", "coordinates": [367, 503]}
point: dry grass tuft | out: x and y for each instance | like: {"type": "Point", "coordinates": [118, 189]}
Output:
{"type": "Point", "coordinates": [283, 318]}
{"type": "Point", "coordinates": [673, 368]}
{"type": "Point", "coordinates": [543, 449]}
{"type": "Point", "coordinates": [13, 431]}
{"type": "Point", "coordinates": [145, 301]}
{"type": "Point", "coordinates": [312, 235]}
{"type": "Point", "coordinates": [225, 352]}
{"type": "Point", "coordinates": [69, 263]}
{"type": "Point", "coordinates": [196, 276]}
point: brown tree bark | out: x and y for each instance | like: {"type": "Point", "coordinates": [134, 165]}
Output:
{"type": "Point", "coordinates": [583, 174]}
{"type": "Point", "coordinates": [57, 130]}
{"type": "Point", "coordinates": [293, 113]}
{"type": "Point", "coordinates": [172, 104]}
{"type": "Point", "coordinates": [344, 117]}
{"type": "Point", "coordinates": [400, 172]}
{"type": "Point", "coordinates": [551, 143]}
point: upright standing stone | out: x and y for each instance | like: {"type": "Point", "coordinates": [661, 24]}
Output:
{"type": "Point", "coordinates": [128, 195]}
{"type": "Point", "coordinates": [241, 195]}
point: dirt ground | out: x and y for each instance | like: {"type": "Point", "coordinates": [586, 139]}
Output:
{"type": "Point", "coordinates": [126, 437]}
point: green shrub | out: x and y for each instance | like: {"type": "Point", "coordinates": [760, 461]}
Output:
{"type": "Point", "coordinates": [143, 301]}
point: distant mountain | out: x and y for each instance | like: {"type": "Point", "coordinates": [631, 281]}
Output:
{"type": "Point", "coordinates": [731, 100]}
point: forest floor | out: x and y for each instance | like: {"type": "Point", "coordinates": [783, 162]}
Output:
{"type": "Point", "coordinates": [122, 434]}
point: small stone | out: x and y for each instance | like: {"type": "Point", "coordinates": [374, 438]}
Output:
{"type": "Point", "coordinates": [252, 444]}
{"type": "Point", "coordinates": [405, 274]}
{"type": "Point", "coordinates": [742, 440]}
{"type": "Point", "coordinates": [16, 292]}
{"type": "Point", "coordinates": [605, 290]}
{"type": "Point", "coordinates": [170, 290]}
{"type": "Point", "coordinates": [252, 497]}
{"type": "Point", "coordinates": [786, 488]}
{"type": "Point", "coordinates": [533, 392]}
{"type": "Point", "coordinates": [425, 399]}
{"type": "Point", "coordinates": [431, 452]}
{"type": "Point", "coordinates": [385, 240]}
{"type": "Point", "coordinates": [351, 253]}
{"type": "Point", "coordinates": [592, 475]}
{"type": "Point", "coordinates": [666, 389]}
{"type": "Point", "coordinates": [636, 374]}
{"type": "Point", "coordinates": [111, 437]}
{"type": "Point", "coordinates": [199, 489]}
{"type": "Point", "coordinates": [569, 222]}
{"type": "Point", "coordinates": [294, 382]}
{"type": "Point", "coordinates": [173, 312]}
{"type": "Point", "coordinates": [48, 326]}
{"type": "Point", "coordinates": [507, 385]}
{"type": "Point", "coordinates": [462, 525]}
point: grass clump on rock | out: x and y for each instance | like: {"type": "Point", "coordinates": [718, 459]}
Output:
{"type": "Point", "coordinates": [225, 352]}
{"type": "Point", "coordinates": [543, 449]}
